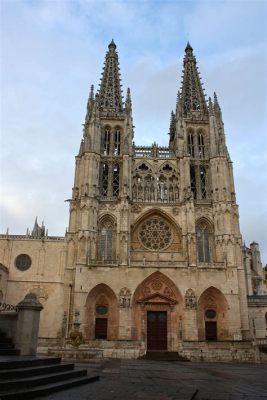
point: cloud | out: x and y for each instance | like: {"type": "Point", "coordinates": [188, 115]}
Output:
{"type": "Point", "coordinates": [53, 51]}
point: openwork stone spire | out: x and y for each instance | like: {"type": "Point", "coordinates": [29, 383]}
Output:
{"type": "Point", "coordinates": [192, 97]}
{"type": "Point", "coordinates": [110, 97]}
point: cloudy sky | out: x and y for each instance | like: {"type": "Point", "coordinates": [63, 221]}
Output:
{"type": "Point", "coordinates": [53, 50]}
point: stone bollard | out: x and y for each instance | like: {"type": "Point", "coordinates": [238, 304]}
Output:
{"type": "Point", "coordinates": [28, 325]}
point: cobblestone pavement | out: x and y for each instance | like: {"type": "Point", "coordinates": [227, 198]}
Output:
{"type": "Point", "coordinates": [154, 380]}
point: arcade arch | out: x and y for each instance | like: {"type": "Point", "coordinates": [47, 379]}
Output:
{"type": "Point", "coordinates": [212, 315]}
{"type": "Point", "coordinates": [101, 317]}
{"type": "Point", "coordinates": [157, 312]}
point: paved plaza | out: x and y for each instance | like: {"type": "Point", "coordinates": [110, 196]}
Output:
{"type": "Point", "coordinates": [154, 380]}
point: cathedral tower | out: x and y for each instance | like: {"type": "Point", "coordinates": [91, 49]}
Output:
{"type": "Point", "coordinates": [152, 258]}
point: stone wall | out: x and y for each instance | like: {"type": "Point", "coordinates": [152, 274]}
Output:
{"type": "Point", "coordinates": [220, 352]}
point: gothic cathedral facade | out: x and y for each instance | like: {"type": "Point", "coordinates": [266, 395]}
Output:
{"type": "Point", "coordinates": [153, 256]}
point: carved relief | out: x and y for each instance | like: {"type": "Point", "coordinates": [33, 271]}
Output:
{"type": "Point", "coordinates": [156, 284]}
{"type": "Point", "coordinates": [146, 291]}
{"type": "Point", "coordinates": [40, 292]}
{"type": "Point", "coordinates": [125, 298]}
{"type": "Point", "coordinates": [136, 208]}
{"type": "Point", "coordinates": [168, 292]}
{"type": "Point", "coordinates": [190, 300]}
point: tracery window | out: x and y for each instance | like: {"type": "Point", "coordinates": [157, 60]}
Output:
{"type": "Point", "coordinates": [105, 241]}
{"type": "Point", "coordinates": [110, 180]}
{"type": "Point", "coordinates": [106, 141]}
{"type": "Point", "coordinates": [199, 181]}
{"type": "Point", "coordinates": [201, 147]}
{"type": "Point", "coordinates": [203, 243]}
{"type": "Point", "coordinates": [116, 180]}
{"type": "Point", "coordinates": [190, 144]}
{"type": "Point", "coordinates": [193, 181]}
{"type": "Point", "coordinates": [202, 172]}
{"type": "Point", "coordinates": [105, 174]}
{"type": "Point", "coordinates": [117, 142]}
{"type": "Point", "coordinates": [156, 186]}
{"type": "Point", "coordinates": [155, 234]}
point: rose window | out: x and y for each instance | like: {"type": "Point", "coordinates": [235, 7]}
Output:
{"type": "Point", "coordinates": [155, 234]}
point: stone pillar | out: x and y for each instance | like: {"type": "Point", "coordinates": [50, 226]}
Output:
{"type": "Point", "coordinates": [191, 330]}
{"type": "Point", "coordinates": [190, 316]}
{"type": "Point", "coordinates": [28, 325]}
{"type": "Point", "coordinates": [125, 324]}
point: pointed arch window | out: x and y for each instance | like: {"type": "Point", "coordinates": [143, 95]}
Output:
{"type": "Point", "coordinates": [117, 142]}
{"type": "Point", "coordinates": [202, 172]}
{"type": "Point", "coordinates": [201, 146]}
{"type": "Point", "coordinates": [203, 243]}
{"type": "Point", "coordinates": [106, 141]}
{"type": "Point", "coordinates": [193, 181]}
{"type": "Point", "coordinates": [104, 185]}
{"type": "Point", "coordinates": [190, 144]}
{"type": "Point", "coordinates": [116, 180]}
{"type": "Point", "coordinates": [105, 241]}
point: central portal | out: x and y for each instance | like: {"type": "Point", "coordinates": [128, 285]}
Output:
{"type": "Point", "coordinates": [156, 330]}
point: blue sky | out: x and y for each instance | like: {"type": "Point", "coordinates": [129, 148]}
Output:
{"type": "Point", "coordinates": [52, 51]}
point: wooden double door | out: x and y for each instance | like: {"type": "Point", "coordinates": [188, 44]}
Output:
{"type": "Point", "coordinates": [157, 330]}
{"type": "Point", "coordinates": [101, 328]}
{"type": "Point", "coordinates": [211, 330]}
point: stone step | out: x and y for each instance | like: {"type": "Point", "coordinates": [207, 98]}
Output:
{"type": "Point", "coordinates": [40, 380]}
{"type": "Point", "coordinates": [164, 356]}
{"type": "Point", "coordinates": [5, 340]}
{"type": "Point", "coordinates": [9, 352]}
{"type": "Point", "coordinates": [47, 389]}
{"type": "Point", "coordinates": [35, 370]}
{"type": "Point", "coordinates": [19, 363]}
{"type": "Point", "coordinates": [6, 345]}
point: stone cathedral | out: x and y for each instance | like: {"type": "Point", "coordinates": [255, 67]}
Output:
{"type": "Point", "coordinates": [153, 258]}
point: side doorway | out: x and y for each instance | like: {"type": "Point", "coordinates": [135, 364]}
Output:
{"type": "Point", "coordinates": [156, 330]}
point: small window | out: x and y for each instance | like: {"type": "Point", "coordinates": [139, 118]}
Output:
{"type": "Point", "coordinates": [210, 314]}
{"type": "Point", "coordinates": [101, 310]}
{"type": "Point", "coordinates": [23, 262]}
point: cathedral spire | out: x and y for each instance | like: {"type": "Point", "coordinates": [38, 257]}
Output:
{"type": "Point", "coordinates": [192, 96]}
{"type": "Point", "coordinates": [110, 96]}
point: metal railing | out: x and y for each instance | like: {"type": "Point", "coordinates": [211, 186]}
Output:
{"type": "Point", "coordinates": [7, 307]}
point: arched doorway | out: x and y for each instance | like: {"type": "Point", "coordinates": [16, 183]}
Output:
{"type": "Point", "coordinates": [157, 313]}
{"type": "Point", "coordinates": [101, 320]}
{"type": "Point", "coordinates": [212, 315]}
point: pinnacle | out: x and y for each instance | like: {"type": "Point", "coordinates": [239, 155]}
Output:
{"type": "Point", "coordinates": [112, 45]}
{"type": "Point", "coordinates": [188, 48]}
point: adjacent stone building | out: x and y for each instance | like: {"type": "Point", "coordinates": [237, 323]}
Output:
{"type": "Point", "coordinates": [153, 256]}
